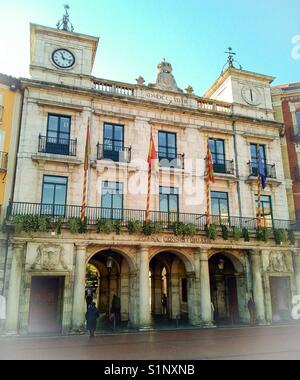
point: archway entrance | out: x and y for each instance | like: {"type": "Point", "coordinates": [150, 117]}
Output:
{"type": "Point", "coordinates": [169, 290]}
{"type": "Point", "coordinates": [107, 275]}
{"type": "Point", "coordinates": [224, 295]}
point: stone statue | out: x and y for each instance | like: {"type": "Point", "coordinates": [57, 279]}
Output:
{"type": "Point", "coordinates": [165, 79]}
{"type": "Point", "coordinates": [49, 258]}
{"type": "Point", "coordinates": [277, 262]}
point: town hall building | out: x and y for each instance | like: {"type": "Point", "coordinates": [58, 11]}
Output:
{"type": "Point", "coordinates": [208, 272]}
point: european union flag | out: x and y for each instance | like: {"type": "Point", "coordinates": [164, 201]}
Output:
{"type": "Point", "coordinates": [262, 172]}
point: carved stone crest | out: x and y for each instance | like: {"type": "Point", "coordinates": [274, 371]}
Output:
{"type": "Point", "coordinates": [277, 262]}
{"type": "Point", "coordinates": [165, 79]}
{"type": "Point", "coordinates": [49, 258]}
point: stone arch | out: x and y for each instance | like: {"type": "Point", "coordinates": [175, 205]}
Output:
{"type": "Point", "coordinates": [129, 256]}
{"type": "Point", "coordinates": [232, 256]}
{"type": "Point", "coordinates": [189, 265]}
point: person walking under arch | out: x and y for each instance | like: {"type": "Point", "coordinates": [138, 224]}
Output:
{"type": "Point", "coordinates": [91, 317]}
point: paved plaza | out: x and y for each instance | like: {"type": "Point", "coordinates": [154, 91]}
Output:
{"type": "Point", "coordinates": [282, 342]}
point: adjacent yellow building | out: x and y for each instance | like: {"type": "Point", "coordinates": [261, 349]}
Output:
{"type": "Point", "coordinates": [10, 109]}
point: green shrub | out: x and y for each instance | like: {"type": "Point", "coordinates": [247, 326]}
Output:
{"type": "Point", "coordinates": [43, 224]}
{"type": "Point", "coordinates": [280, 236]}
{"type": "Point", "coordinates": [178, 228]}
{"type": "Point", "coordinates": [291, 237]}
{"type": "Point", "coordinates": [211, 231]}
{"type": "Point", "coordinates": [105, 226]}
{"type": "Point", "coordinates": [262, 234]}
{"type": "Point", "coordinates": [118, 227]}
{"type": "Point", "coordinates": [236, 233]}
{"type": "Point", "coordinates": [74, 225]}
{"type": "Point", "coordinates": [58, 225]}
{"type": "Point", "coordinates": [134, 227]}
{"type": "Point", "coordinates": [18, 223]}
{"type": "Point", "coordinates": [148, 229]}
{"type": "Point", "coordinates": [157, 227]}
{"type": "Point", "coordinates": [245, 234]}
{"type": "Point", "coordinates": [225, 232]}
{"type": "Point", "coordinates": [189, 229]}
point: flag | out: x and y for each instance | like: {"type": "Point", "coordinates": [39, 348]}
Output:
{"type": "Point", "coordinates": [209, 165]}
{"type": "Point", "coordinates": [210, 177]}
{"type": "Point", "coordinates": [152, 165]}
{"type": "Point", "coordinates": [152, 155]}
{"type": "Point", "coordinates": [86, 168]}
{"type": "Point", "coordinates": [262, 171]}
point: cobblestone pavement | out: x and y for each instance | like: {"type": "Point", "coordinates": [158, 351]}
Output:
{"type": "Point", "coordinates": [274, 343]}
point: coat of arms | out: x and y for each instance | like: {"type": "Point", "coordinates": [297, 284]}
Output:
{"type": "Point", "coordinates": [49, 258]}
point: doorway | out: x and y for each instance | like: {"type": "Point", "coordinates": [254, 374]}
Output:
{"type": "Point", "coordinates": [46, 301]}
{"type": "Point", "coordinates": [280, 298]}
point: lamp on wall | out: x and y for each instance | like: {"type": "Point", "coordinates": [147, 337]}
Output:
{"type": "Point", "coordinates": [221, 265]}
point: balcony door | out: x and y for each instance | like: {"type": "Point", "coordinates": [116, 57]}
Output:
{"type": "Point", "coordinates": [54, 196]}
{"type": "Point", "coordinates": [217, 148]}
{"type": "Point", "coordinates": [266, 210]}
{"type": "Point", "coordinates": [58, 135]}
{"type": "Point", "coordinates": [112, 200]}
{"type": "Point", "coordinates": [169, 204]}
{"type": "Point", "coordinates": [256, 152]}
{"type": "Point", "coordinates": [220, 207]}
{"type": "Point", "coordinates": [113, 142]}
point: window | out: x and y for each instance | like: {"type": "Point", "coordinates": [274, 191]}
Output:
{"type": "Point", "coordinates": [266, 210]}
{"type": "Point", "coordinates": [167, 149]}
{"type": "Point", "coordinates": [255, 151]}
{"type": "Point", "coordinates": [298, 122]}
{"type": "Point", "coordinates": [54, 195]}
{"type": "Point", "coordinates": [220, 206]}
{"type": "Point", "coordinates": [112, 200]}
{"type": "Point", "coordinates": [217, 148]}
{"type": "Point", "coordinates": [113, 141]}
{"type": "Point", "coordinates": [58, 135]}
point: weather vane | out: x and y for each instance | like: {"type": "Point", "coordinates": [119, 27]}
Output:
{"type": "Point", "coordinates": [230, 60]}
{"type": "Point", "coordinates": [65, 23]}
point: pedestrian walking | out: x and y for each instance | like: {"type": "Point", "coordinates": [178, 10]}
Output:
{"type": "Point", "coordinates": [116, 308]}
{"type": "Point", "coordinates": [164, 304]}
{"type": "Point", "coordinates": [91, 318]}
{"type": "Point", "coordinates": [252, 310]}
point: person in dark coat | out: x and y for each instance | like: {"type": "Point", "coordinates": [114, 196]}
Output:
{"type": "Point", "coordinates": [89, 301]}
{"type": "Point", "coordinates": [91, 317]}
{"type": "Point", "coordinates": [116, 308]}
{"type": "Point", "coordinates": [252, 310]}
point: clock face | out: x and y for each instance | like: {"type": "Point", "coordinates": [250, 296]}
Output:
{"type": "Point", "coordinates": [251, 95]}
{"type": "Point", "coordinates": [63, 58]}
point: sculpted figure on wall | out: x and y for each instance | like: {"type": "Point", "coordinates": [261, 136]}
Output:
{"type": "Point", "coordinates": [49, 258]}
{"type": "Point", "coordinates": [277, 262]}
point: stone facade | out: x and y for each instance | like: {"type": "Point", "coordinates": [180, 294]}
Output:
{"type": "Point", "coordinates": [206, 281]}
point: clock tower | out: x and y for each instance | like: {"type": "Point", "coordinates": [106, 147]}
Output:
{"type": "Point", "coordinates": [61, 56]}
{"type": "Point", "coordinates": [249, 92]}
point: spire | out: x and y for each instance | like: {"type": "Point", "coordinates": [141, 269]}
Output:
{"type": "Point", "coordinates": [64, 23]}
{"type": "Point", "coordinates": [230, 60]}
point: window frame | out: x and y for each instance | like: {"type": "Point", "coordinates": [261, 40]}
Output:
{"type": "Point", "coordinates": [53, 204]}
{"type": "Point", "coordinates": [167, 147]}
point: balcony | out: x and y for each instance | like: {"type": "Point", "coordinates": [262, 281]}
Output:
{"type": "Point", "coordinates": [270, 170]}
{"type": "Point", "coordinates": [113, 153]}
{"type": "Point", "coordinates": [3, 161]}
{"type": "Point", "coordinates": [57, 146]}
{"type": "Point", "coordinates": [175, 162]}
{"type": "Point", "coordinates": [295, 134]}
{"type": "Point", "coordinates": [227, 167]}
{"type": "Point", "coordinates": [94, 214]}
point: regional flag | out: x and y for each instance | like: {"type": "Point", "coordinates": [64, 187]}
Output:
{"type": "Point", "coordinates": [87, 147]}
{"type": "Point", "coordinates": [152, 155]}
{"type": "Point", "coordinates": [262, 171]}
{"type": "Point", "coordinates": [210, 165]}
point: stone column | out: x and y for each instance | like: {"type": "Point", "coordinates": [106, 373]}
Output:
{"type": "Point", "coordinates": [258, 290]}
{"type": "Point", "coordinates": [13, 298]}
{"type": "Point", "coordinates": [144, 289]}
{"type": "Point", "coordinates": [297, 270]}
{"type": "Point", "coordinates": [206, 312]}
{"type": "Point", "coordinates": [78, 315]}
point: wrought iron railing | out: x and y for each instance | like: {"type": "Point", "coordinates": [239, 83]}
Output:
{"type": "Point", "coordinates": [270, 170]}
{"type": "Point", "coordinates": [114, 153]}
{"type": "Point", "coordinates": [3, 161]}
{"type": "Point", "coordinates": [176, 162]}
{"type": "Point", "coordinates": [226, 167]}
{"type": "Point", "coordinates": [167, 220]}
{"type": "Point", "coordinates": [53, 145]}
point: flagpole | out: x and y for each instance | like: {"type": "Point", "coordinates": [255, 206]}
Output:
{"type": "Point", "coordinates": [259, 222]}
{"type": "Point", "coordinates": [208, 221]}
{"type": "Point", "coordinates": [86, 169]}
{"type": "Point", "coordinates": [149, 183]}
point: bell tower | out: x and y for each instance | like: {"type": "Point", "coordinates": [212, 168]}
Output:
{"type": "Point", "coordinates": [61, 56]}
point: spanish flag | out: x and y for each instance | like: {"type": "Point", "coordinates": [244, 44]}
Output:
{"type": "Point", "coordinates": [152, 156]}
{"type": "Point", "coordinates": [152, 165]}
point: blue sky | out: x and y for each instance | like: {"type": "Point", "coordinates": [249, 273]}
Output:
{"type": "Point", "coordinates": [191, 34]}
